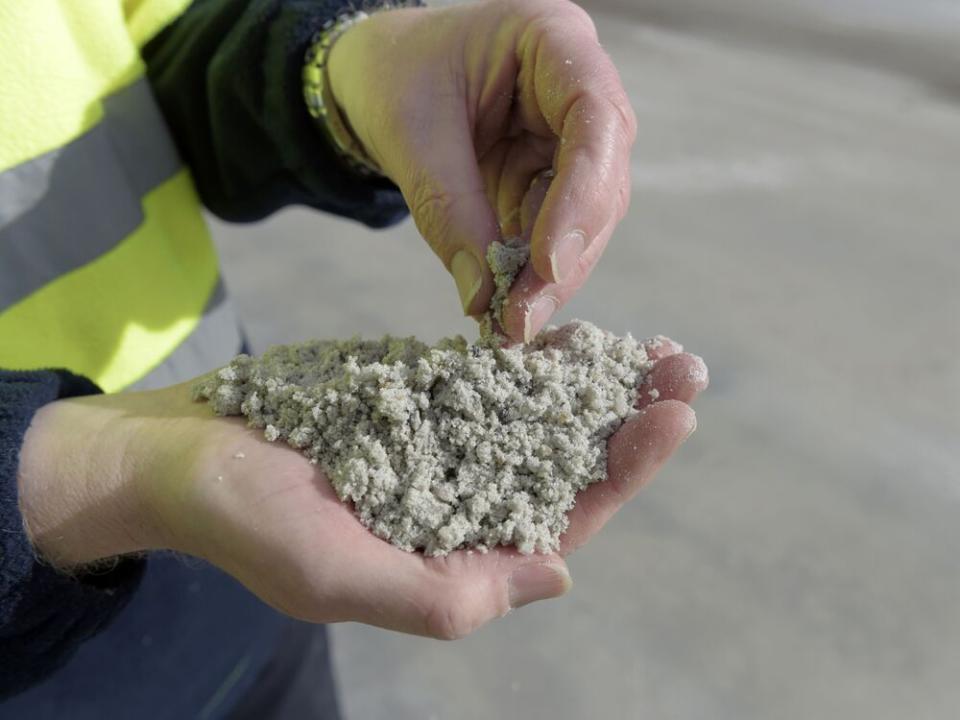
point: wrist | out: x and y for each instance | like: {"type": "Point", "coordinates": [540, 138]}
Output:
{"type": "Point", "coordinates": [360, 65]}
{"type": "Point", "coordinates": [327, 108]}
{"type": "Point", "coordinates": [337, 76]}
{"type": "Point", "coordinates": [341, 61]}
{"type": "Point", "coordinates": [77, 497]}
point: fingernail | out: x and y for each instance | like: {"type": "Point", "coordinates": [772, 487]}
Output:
{"type": "Point", "coordinates": [537, 316]}
{"type": "Point", "coordinates": [566, 254]}
{"type": "Point", "coordinates": [537, 582]}
{"type": "Point", "coordinates": [698, 373]}
{"type": "Point", "coordinates": [693, 428]}
{"type": "Point", "coordinates": [468, 275]}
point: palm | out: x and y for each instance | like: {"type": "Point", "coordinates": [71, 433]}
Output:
{"type": "Point", "coordinates": [282, 531]}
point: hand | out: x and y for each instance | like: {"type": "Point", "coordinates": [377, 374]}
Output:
{"type": "Point", "coordinates": [483, 113]}
{"type": "Point", "coordinates": [106, 475]}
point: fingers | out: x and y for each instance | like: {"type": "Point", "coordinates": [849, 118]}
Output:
{"type": "Point", "coordinates": [444, 597]}
{"type": "Point", "coordinates": [579, 94]}
{"type": "Point", "coordinates": [569, 89]}
{"type": "Point", "coordinates": [644, 443]}
{"type": "Point", "coordinates": [449, 203]}
{"type": "Point", "coordinates": [521, 170]}
{"type": "Point", "coordinates": [636, 452]}
{"type": "Point", "coordinates": [591, 191]}
{"type": "Point", "coordinates": [660, 346]}
{"type": "Point", "coordinates": [533, 301]}
{"type": "Point", "coordinates": [533, 201]}
{"type": "Point", "coordinates": [680, 376]}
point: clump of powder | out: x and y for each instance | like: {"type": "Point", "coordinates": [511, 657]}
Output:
{"type": "Point", "coordinates": [505, 260]}
{"type": "Point", "coordinates": [449, 446]}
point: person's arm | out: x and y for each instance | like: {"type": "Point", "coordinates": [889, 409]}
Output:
{"type": "Point", "coordinates": [109, 475]}
{"type": "Point", "coordinates": [45, 614]}
{"type": "Point", "coordinates": [482, 113]}
{"type": "Point", "coordinates": [227, 75]}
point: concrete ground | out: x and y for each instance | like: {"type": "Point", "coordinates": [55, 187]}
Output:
{"type": "Point", "coordinates": [796, 221]}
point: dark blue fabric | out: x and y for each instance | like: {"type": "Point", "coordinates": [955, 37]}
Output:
{"type": "Point", "coordinates": [190, 644]}
{"type": "Point", "coordinates": [297, 683]}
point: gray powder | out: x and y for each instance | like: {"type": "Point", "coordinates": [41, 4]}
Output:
{"type": "Point", "coordinates": [505, 259]}
{"type": "Point", "coordinates": [449, 446]}
{"type": "Point", "coordinates": [452, 446]}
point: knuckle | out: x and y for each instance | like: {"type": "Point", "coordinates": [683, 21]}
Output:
{"type": "Point", "coordinates": [560, 16]}
{"type": "Point", "coordinates": [582, 17]}
{"type": "Point", "coordinates": [626, 117]}
{"type": "Point", "coordinates": [573, 14]}
{"type": "Point", "coordinates": [446, 620]}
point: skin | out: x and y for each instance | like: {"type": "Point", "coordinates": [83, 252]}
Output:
{"type": "Point", "coordinates": [106, 475]}
{"type": "Point", "coordinates": [500, 117]}
{"type": "Point", "coordinates": [496, 105]}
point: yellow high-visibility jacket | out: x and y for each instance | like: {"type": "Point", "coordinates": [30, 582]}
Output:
{"type": "Point", "coordinates": [106, 266]}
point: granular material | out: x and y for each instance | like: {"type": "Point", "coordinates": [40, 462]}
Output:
{"type": "Point", "coordinates": [450, 446]}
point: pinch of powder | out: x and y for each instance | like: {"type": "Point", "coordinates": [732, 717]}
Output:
{"type": "Point", "coordinates": [506, 259]}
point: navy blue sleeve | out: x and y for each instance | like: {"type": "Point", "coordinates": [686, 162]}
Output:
{"type": "Point", "coordinates": [44, 615]}
{"type": "Point", "coordinates": [227, 76]}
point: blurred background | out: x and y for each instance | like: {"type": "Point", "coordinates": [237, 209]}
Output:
{"type": "Point", "coordinates": [796, 221]}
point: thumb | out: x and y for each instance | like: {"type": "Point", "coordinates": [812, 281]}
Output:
{"type": "Point", "coordinates": [449, 597]}
{"type": "Point", "coordinates": [441, 182]}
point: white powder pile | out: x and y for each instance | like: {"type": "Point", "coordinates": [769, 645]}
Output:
{"type": "Point", "coordinates": [450, 446]}
{"type": "Point", "coordinates": [505, 259]}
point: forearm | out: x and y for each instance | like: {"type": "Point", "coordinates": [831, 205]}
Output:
{"type": "Point", "coordinates": [76, 496]}
{"type": "Point", "coordinates": [46, 614]}
{"type": "Point", "coordinates": [227, 76]}
{"type": "Point", "coordinates": [102, 476]}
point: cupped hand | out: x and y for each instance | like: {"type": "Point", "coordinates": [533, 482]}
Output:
{"type": "Point", "coordinates": [495, 118]}
{"type": "Point", "coordinates": [106, 475]}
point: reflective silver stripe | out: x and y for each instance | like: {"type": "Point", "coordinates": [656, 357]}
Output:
{"type": "Point", "coordinates": [64, 209]}
{"type": "Point", "coordinates": [213, 343]}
